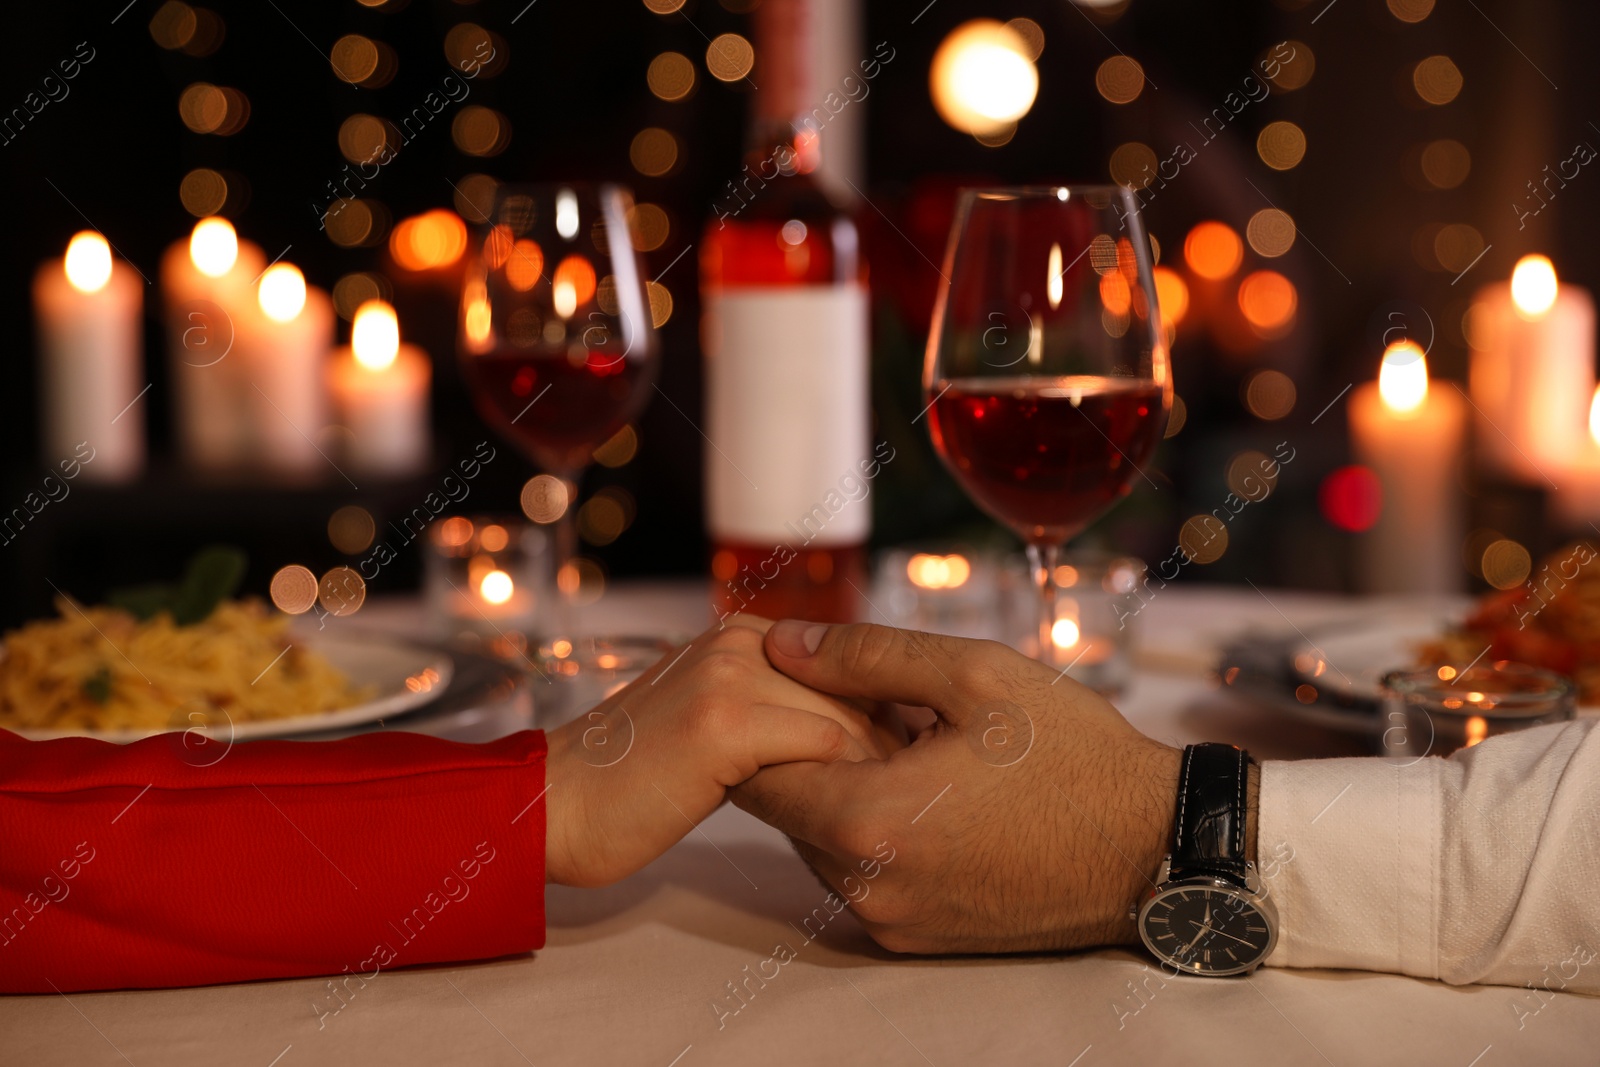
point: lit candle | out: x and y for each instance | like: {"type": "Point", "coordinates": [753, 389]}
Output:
{"type": "Point", "coordinates": [285, 352]}
{"type": "Point", "coordinates": [1532, 370]}
{"type": "Point", "coordinates": [206, 285]}
{"type": "Point", "coordinates": [380, 387]}
{"type": "Point", "coordinates": [1411, 436]}
{"type": "Point", "coordinates": [88, 308]}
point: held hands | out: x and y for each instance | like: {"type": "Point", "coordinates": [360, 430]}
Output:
{"type": "Point", "coordinates": [1028, 816]}
{"type": "Point", "coordinates": [629, 778]}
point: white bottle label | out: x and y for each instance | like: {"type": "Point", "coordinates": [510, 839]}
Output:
{"type": "Point", "coordinates": [787, 415]}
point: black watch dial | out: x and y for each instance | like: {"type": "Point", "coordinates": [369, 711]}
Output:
{"type": "Point", "coordinates": [1210, 928]}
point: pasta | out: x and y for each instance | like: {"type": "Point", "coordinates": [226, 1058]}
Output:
{"type": "Point", "coordinates": [101, 668]}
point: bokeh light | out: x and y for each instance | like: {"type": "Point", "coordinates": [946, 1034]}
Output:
{"type": "Point", "coordinates": [1445, 163]}
{"type": "Point", "coordinates": [1271, 232]}
{"type": "Point", "coordinates": [480, 131]}
{"type": "Point", "coordinates": [1269, 394]}
{"type": "Point", "coordinates": [524, 264]}
{"type": "Point", "coordinates": [1176, 417]}
{"type": "Point", "coordinates": [1281, 145]}
{"type": "Point", "coordinates": [1203, 538]}
{"type": "Point", "coordinates": [203, 192]}
{"type": "Point", "coordinates": [1456, 246]}
{"type": "Point", "coordinates": [660, 303]}
{"type": "Point", "coordinates": [353, 290]}
{"type": "Point", "coordinates": [1213, 250]}
{"type": "Point", "coordinates": [1120, 79]}
{"type": "Point", "coordinates": [474, 196]}
{"type": "Point", "coordinates": [1351, 498]}
{"type": "Point", "coordinates": [363, 138]}
{"type": "Point", "coordinates": [173, 25]}
{"type": "Point", "coordinates": [354, 58]}
{"type": "Point", "coordinates": [1411, 10]}
{"type": "Point", "coordinates": [1172, 294]}
{"type": "Point", "coordinates": [351, 529]}
{"type": "Point", "coordinates": [206, 108]}
{"type": "Point", "coordinates": [1506, 564]}
{"type": "Point", "coordinates": [729, 57]}
{"type": "Point", "coordinates": [544, 498]}
{"type": "Point", "coordinates": [981, 77]}
{"type": "Point", "coordinates": [293, 589]}
{"type": "Point", "coordinates": [620, 449]}
{"type": "Point", "coordinates": [653, 152]}
{"type": "Point", "coordinates": [670, 76]}
{"type": "Point", "coordinates": [1437, 79]}
{"type": "Point", "coordinates": [429, 241]}
{"type": "Point", "coordinates": [649, 226]}
{"type": "Point", "coordinates": [1252, 475]}
{"type": "Point", "coordinates": [1294, 72]}
{"type": "Point", "coordinates": [1268, 301]}
{"type": "Point", "coordinates": [341, 591]}
{"type": "Point", "coordinates": [1133, 164]}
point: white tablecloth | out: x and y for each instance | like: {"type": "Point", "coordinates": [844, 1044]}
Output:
{"type": "Point", "coordinates": [631, 972]}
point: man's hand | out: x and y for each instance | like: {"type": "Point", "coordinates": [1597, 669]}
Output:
{"type": "Point", "coordinates": [629, 778]}
{"type": "Point", "coordinates": [1028, 816]}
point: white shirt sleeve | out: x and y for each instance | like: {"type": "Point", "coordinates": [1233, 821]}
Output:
{"type": "Point", "coordinates": [1484, 867]}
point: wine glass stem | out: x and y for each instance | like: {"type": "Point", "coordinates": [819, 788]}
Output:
{"type": "Point", "coordinates": [566, 550]}
{"type": "Point", "coordinates": [1042, 560]}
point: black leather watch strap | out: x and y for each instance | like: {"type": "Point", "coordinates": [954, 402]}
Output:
{"type": "Point", "coordinates": [1208, 834]}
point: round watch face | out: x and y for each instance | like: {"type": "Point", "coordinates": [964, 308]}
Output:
{"type": "Point", "coordinates": [1208, 927]}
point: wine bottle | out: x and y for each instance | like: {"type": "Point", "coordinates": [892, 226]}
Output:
{"type": "Point", "coordinates": [784, 330]}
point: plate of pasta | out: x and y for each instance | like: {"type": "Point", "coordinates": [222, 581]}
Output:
{"type": "Point", "coordinates": [238, 673]}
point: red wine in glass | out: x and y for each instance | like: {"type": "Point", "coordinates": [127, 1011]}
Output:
{"type": "Point", "coordinates": [1046, 456]}
{"type": "Point", "coordinates": [558, 406]}
{"type": "Point", "coordinates": [1046, 376]}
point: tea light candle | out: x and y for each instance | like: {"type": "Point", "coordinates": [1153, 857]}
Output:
{"type": "Point", "coordinates": [285, 352]}
{"type": "Point", "coordinates": [1532, 370]}
{"type": "Point", "coordinates": [1411, 436]}
{"type": "Point", "coordinates": [380, 388]}
{"type": "Point", "coordinates": [88, 307]}
{"type": "Point", "coordinates": [206, 282]}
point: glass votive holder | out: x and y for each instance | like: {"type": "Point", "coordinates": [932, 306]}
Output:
{"type": "Point", "coordinates": [486, 580]}
{"type": "Point", "coordinates": [1437, 710]}
{"type": "Point", "coordinates": [1093, 634]}
{"type": "Point", "coordinates": [948, 590]}
{"type": "Point", "coordinates": [584, 671]}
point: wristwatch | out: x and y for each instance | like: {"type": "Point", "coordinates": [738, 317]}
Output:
{"type": "Point", "coordinates": [1208, 913]}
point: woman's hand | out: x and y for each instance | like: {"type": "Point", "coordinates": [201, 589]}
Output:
{"type": "Point", "coordinates": [629, 778]}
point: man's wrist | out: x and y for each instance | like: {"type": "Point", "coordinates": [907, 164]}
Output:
{"type": "Point", "coordinates": [1150, 835]}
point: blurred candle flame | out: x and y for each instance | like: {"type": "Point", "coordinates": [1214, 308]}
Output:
{"type": "Point", "coordinates": [282, 292]}
{"type": "Point", "coordinates": [1065, 633]}
{"type": "Point", "coordinates": [497, 587]}
{"type": "Point", "coordinates": [1594, 417]}
{"type": "Point", "coordinates": [1534, 286]}
{"type": "Point", "coordinates": [1403, 378]}
{"type": "Point", "coordinates": [1477, 730]}
{"type": "Point", "coordinates": [88, 262]}
{"type": "Point", "coordinates": [938, 572]}
{"type": "Point", "coordinates": [375, 335]}
{"type": "Point", "coordinates": [213, 246]}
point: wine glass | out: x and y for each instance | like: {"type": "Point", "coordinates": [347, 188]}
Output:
{"type": "Point", "coordinates": [1046, 374]}
{"type": "Point", "coordinates": [556, 338]}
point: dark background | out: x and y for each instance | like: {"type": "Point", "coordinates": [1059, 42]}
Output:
{"type": "Point", "coordinates": [573, 86]}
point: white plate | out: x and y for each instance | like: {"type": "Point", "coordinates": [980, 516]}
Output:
{"type": "Point", "coordinates": [1352, 659]}
{"type": "Point", "coordinates": [396, 669]}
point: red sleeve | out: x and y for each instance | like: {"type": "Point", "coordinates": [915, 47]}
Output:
{"type": "Point", "coordinates": [157, 864]}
